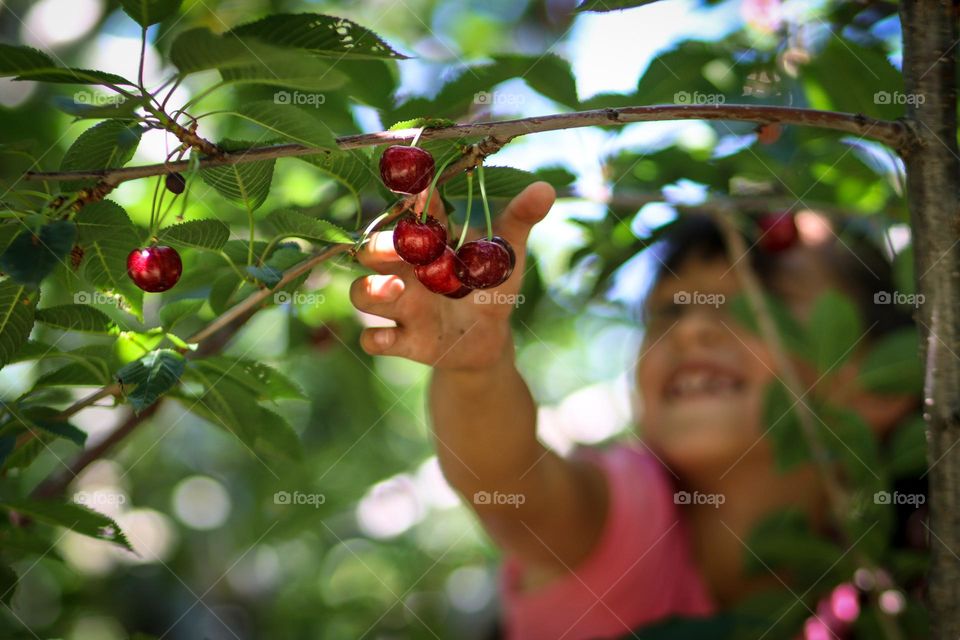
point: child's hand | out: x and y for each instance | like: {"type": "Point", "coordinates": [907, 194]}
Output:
{"type": "Point", "coordinates": [467, 333]}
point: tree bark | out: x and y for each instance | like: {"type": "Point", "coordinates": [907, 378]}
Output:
{"type": "Point", "coordinates": [933, 186]}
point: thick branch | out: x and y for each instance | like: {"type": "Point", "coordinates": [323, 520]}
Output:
{"type": "Point", "coordinates": [933, 184]}
{"type": "Point", "coordinates": [893, 134]}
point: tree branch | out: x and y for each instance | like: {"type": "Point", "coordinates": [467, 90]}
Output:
{"type": "Point", "coordinates": [891, 133]}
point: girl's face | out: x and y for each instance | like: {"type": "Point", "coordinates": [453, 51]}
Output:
{"type": "Point", "coordinates": [701, 375]}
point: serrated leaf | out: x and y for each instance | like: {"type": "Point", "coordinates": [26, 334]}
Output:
{"type": "Point", "coordinates": [107, 145]}
{"type": "Point", "coordinates": [48, 420]}
{"type": "Point", "coordinates": [154, 375]}
{"type": "Point", "coordinates": [319, 34]}
{"type": "Point", "coordinates": [893, 364]}
{"type": "Point", "coordinates": [174, 312]}
{"type": "Point", "coordinates": [246, 183]}
{"type": "Point", "coordinates": [107, 235]}
{"type": "Point", "coordinates": [196, 234]}
{"type": "Point", "coordinates": [30, 64]}
{"type": "Point", "coordinates": [276, 437]}
{"type": "Point", "coordinates": [15, 60]}
{"type": "Point", "coordinates": [76, 317]}
{"type": "Point", "coordinates": [73, 76]}
{"type": "Point", "coordinates": [834, 331]}
{"type": "Point", "coordinates": [501, 182]}
{"type": "Point", "coordinates": [351, 168]}
{"type": "Point", "coordinates": [285, 223]}
{"type": "Point", "coordinates": [269, 276]}
{"type": "Point", "coordinates": [263, 380]}
{"type": "Point", "coordinates": [296, 73]}
{"type": "Point", "coordinates": [30, 258]}
{"type": "Point", "coordinates": [611, 5]}
{"type": "Point", "coordinates": [148, 12]}
{"type": "Point", "coordinates": [294, 123]}
{"type": "Point", "coordinates": [71, 516]}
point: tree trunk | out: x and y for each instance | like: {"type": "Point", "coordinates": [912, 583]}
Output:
{"type": "Point", "coordinates": [933, 187]}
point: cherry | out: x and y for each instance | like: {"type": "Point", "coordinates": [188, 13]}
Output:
{"type": "Point", "coordinates": [483, 264]}
{"type": "Point", "coordinates": [506, 245]}
{"type": "Point", "coordinates": [779, 231]}
{"type": "Point", "coordinates": [176, 183]}
{"type": "Point", "coordinates": [419, 243]}
{"type": "Point", "coordinates": [768, 133]}
{"type": "Point", "coordinates": [459, 293]}
{"type": "Point", "coordinates": [440, 275]}
{"type": "Point", "coordinates": [155, 268]}
{"type": "Point", "coordinates": [406, 169]}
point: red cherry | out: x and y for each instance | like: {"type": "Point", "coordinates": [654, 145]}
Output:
{"type": "Point", "coordinates": [482, 264]}
{"type": "Point", "coordinates": [506, 245]}
{"type": "Point", "coordinates": [406, 169]}
{"type": "Point", "coordinates": [155, 268]}
{"type": "Point", "coordinates": [440, 275]}
{"type": "Point", "coordinates": [419, 242]}
{"type": "Point", "coordinates": [459, 293]}
{"type": "Point", "coordinates": [778, 231]}
{"type": "Point", "coordinates": [768, 133]}
{"type": "Point", "coordinates": [175, 183]}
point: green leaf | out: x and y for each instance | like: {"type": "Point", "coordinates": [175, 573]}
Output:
{"type": "Point", "coordinates": [73, 374]}
{"type": "Point", "coordinates": [148, 12]}
{"type": "Point", "coordinates": [350, 168]}
{"type": "Point", "coordinates": [154, 375]}
{"type": "Point", "coordinates": [847, 76]}
{"type": "Point", "coordinates": [48, 420]}
{"type": "Point", "coordinates": [276, 437]}
{"type": "Point", "coordinates": [77, 317]}
{"type": "Point", "coordinates": [30, 258]}
{"type": "Point", "coordinates": [785, 541]}
{"type": "Point", "coordinates": [793, 335]}
{"type": "Point", "coordinates": [29, 64]}
{"type": "Point", "coordinates": [107, 235]}
{"type": "Point", "coordinates": [611, 5]}
{"type": "Point", "coordinates": [200, 49]}
{"type": "Point", "coordinates": [834, 331]}
{"type": "Point", "coordinates": [196, 234]}
{"type": "Point", "coordinates": [247, 183]}
{"type": "Point", "coordinates": [285, 223]}
{"type": "Point", "coordinates": [296, 73]}
{"type": "Point", "coordinates": [86, 105]}
{"type": "Point", "coordinates": [294, 123]}
{"type": "Point", "coordinates": [262, 380]}
{"type": "Point", "coordinates": [7, 445]}
{"type": "Point", "coordinates": [850, 439]}
{"type": "Point", "coordinates": [893, 364]}
{"type": "Point", "coordinates": [222, 290]}
{"type": "Point", "coordinates": [108, 145]}
{"type": "Point", "coordinates": [8, 581]}
{"type": "Point", "coordinates": [320, 34]}
{"type": "Point", "coordinates": [71, 516]}
{"type": "Point", "coordinates": [781, 419]}
{"type": "Point", "coordinates": [907, 449]}
{"type": "Point", "coordinates": [501, 182]}
{"type": "Point", "coordinates": [174, 312]}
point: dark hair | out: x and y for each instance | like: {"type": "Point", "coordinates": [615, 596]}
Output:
{"type": "Point", "coordinates": [860, 267]}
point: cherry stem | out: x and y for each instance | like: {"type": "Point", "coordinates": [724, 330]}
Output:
{"type": "Point", "coordinates": [466, 217]}
{"type": "Point", "coordinates": [416, 138]}
{"type": "Point", "coordinates": [433, 187]}
{"type": "Point", "coordinates": [483, 198]}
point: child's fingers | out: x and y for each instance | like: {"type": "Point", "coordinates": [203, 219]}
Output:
{"type": "Point", "coordinates": [377, 295]}
{"type": "Point", "coordinates": [384, 341]}
{"type": "Point", "coordinates": [528, 208]}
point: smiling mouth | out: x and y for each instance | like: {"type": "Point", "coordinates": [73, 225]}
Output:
{"type": "Point", "coordinates": [697, 381]}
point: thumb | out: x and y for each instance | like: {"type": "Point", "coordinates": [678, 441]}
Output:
{"type": "Point", "coordinates": [529, 207]}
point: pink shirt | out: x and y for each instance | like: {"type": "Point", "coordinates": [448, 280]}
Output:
{"type": "Point", "coordinates": [640, 572]}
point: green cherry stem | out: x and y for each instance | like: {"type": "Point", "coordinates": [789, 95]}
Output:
{"type": "Point", "coordinates": [483, 198]}
{"type": "Point", "coordinates": [433, 187]}
{"type": "Point", "coordinates": [466, 217]}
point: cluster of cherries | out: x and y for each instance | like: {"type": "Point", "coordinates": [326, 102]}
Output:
{"type": "Point", "coordinates": [444, 268]}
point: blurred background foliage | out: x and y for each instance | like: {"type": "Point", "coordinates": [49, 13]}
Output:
{"type": "Point", "coordinates": [360, 536]}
